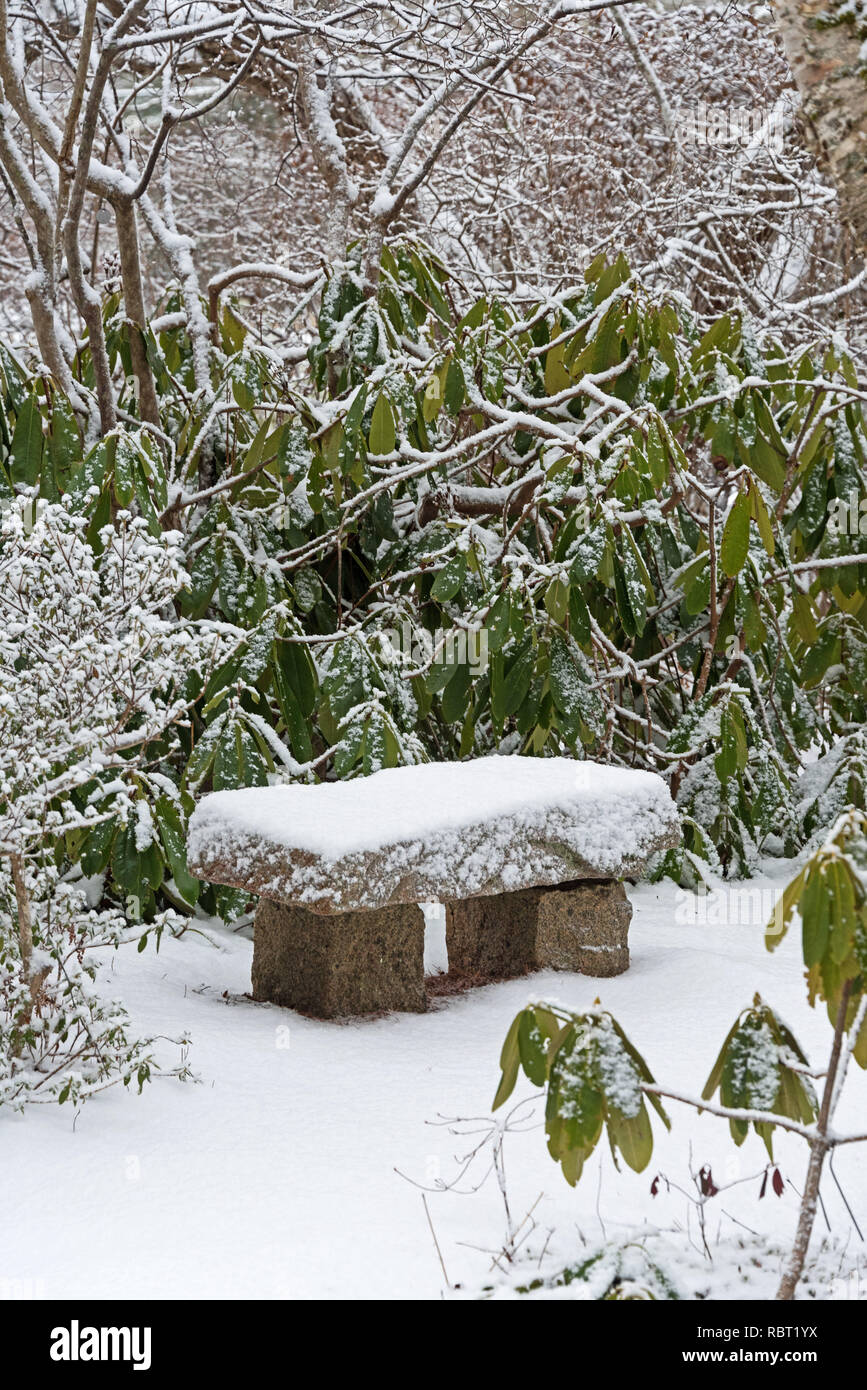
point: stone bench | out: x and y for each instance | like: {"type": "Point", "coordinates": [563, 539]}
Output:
{"type": "Point", "coordinates": [527, 854]}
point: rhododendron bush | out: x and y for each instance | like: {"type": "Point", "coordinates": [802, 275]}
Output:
{"type": "Point", "coordinates": [96, 675]}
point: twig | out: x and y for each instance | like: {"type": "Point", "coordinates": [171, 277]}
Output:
{"type": "Point", "coordinates": [436, 1242]}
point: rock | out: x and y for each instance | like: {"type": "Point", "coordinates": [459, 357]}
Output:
{"type": "Point", "coordinates": [493, 937]}
{"type": "Point", "coordinates": [524, 851]}
{"type": "Point", "coordinates": [352, 963]}
{"type": "Point", "coordinates": [576, 926]}
{"type": "Point", "coordinates": [584, 927]}
{"type": "Point", "coordinates": [437, 832]}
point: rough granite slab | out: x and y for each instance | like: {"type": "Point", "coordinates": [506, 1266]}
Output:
{"type": "Point", "coordinates": [435, 832]}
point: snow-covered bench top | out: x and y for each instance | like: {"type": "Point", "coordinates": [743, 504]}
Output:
{"type": "Point", "coordinates": [433, 832]}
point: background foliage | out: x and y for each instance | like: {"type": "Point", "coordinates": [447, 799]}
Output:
{"type": "Point", "coordinates": [656, 528]}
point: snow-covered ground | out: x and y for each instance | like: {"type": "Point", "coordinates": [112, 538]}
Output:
{"type": "Point", "coordinates": [276, 1176]}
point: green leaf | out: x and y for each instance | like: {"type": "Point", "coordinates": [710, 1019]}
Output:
{"type": "Point", "coordinates": [565, 676]}
{"type": "Point", "coordinates": [754, 1071]}
{"type": "Point", "coordinates": [779, 923]}
{"type": "Point", "coordinates": [517, 678]}
{"type": "Point", "coordinates": [27, 444]}
{"type": "Point", "coordinates": [455, 388]}
{"type": "Point", "coordinates": [557, 377]}
{"type": "Point", "coordinates": [474, 317]}
{"type": "Point", "coordinates": [764, 460]}
{"type": "Point", "coordinates": [299, 674]}
{"type": "Point", "coordinates": [814, 498]}
{"type": "Point", "coordinates": [557, 600]}
{"type": "Point", "coordinates": [382, 438]}
{"type": "Point", "coordinates": [841, 911]}
{"type": "Point", "coordinates": [761, 517]}
{"type": "Point", "coordinates": [718, 337]}
{"type": "Point", "coordinates": [204, 752]}
{"type": "Point", "coordinates": [125, 458]}
{"type": "Point", "coordinates": [168, 819]}
{"type": "Point", "coordinates": [823, 654]}
{"type": "Point", "coordinates": [346, 757]}
{"type": "Point", "coordinates": [716, 1070]}
{"type": "Point", "coordinates": [91, 473]}
{"type": "Point", "coordinates": [238, 761]}
{"type": "Point", "coordinates": [531, 1045]}
{"type": "Point", "coordinates": [657, 458]}
{"type": "Point", "coordinates": [308, 590]}
{"type": "Point", "coordinates": [629, 593]}
{"type": "Point", "coordinates": [455, 695]}
{"type": "Point", "coordinates": [450, 578]}
{"type": "Point", "coordinates": [498, 623]}
{"type": "Point", "coordinates": [510, 1061]}
{"type": "Point", "coordinates": [96, 850]}
{"type": "Point", "coordinates": [736, 537]}
{"type": "Point", "coordinates": [126, 863]}
{"type": "Point", "coordinates": [632, 1136]}
{"type": "Point", "coordinates": [803, 621]}
{"type": "Point", "coordinates": [297, 726]}
{"type": "Point", "coordinates": [432, 400]}
{"type": "Point", "coordinates": [255, 453]}
{"type": "Point", "coordinates": [579, 616]}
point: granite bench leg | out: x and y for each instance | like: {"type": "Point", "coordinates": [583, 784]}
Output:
{"type": "Point", "coordinates": [492, 937]}
{"type": "Point", "coordinates": [584, 927]}
{"type": "Point", "coordinates": [581, 926]}
{"type": "Point", "coordinates": [339, 963]}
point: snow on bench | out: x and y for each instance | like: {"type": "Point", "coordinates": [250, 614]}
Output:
{"type": "Point", "coordinates": [526, 853]}
{"type": "Point", "coordinates": [433, 832]}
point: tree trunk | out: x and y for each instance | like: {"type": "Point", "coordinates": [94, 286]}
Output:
{"type": "Point", "coordinates": [818, 1148]}
{"type": "Point", "coordinates": [826, 67]}
{"type": "Point", "coordinates": [133, 294]}
{"type": "Point", "coordinates": [25, 917]}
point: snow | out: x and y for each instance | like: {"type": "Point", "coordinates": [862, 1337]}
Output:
{"type": "Point", "coordinates": [334, 819]}
{"type": "Point", "coordinates": [276, 1176]}
{"type": "Point", "coordinates": [383, 203]}
{"type": "Point", "coordinates": [473, 827]}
